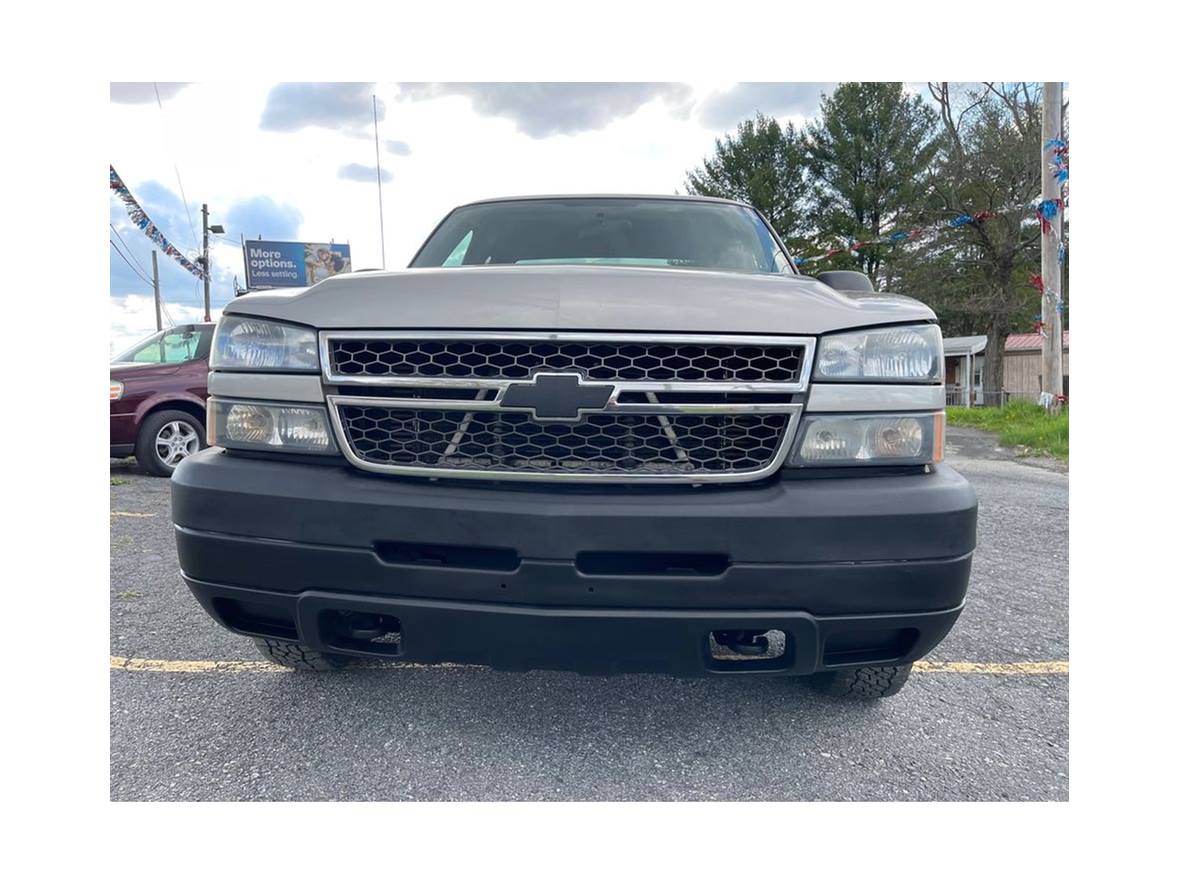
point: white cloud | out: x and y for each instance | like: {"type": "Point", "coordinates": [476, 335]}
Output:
{"type": "Point", "coordinates": [725, 109]}
{"type": "Point", "coordinates": [143, 93]}
{"type": "Point", "coordinates": [294, 106]}
{"type": "Point", "coordinates": [543, 109]}
{"type": "Point", "coordinates": [133, 317]}
{"type": "Point", "coordinates": [362, 173]}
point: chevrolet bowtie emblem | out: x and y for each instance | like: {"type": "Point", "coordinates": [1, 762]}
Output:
{"type": "Point", "coordinates": [557, 396]}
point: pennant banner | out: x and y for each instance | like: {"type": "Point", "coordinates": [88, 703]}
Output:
{"type": "Point", "coordinates": [141, 220]}
{"type": "Point", "coordinates": [1060, 162]}
{"type": "Point", "coordinates": [1047, 211]}
{"type": "Point", "coordinates": [915, 233]}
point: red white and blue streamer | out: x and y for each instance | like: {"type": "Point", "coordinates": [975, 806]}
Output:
{"type": "Point", "coordinates": [141, 220]}
{"type": "Point", "coordinates": [1047, 212]}
{"type": "Point", "coordinates": [898, 236]}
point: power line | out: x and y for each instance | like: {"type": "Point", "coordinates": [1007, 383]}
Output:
{"type": "Point", "coordinates": [163, 303]}
{"type": "Point", "coordinates": [129, 251]}
{"type": "Point", "coordinates": [134, 270]}
{"type": "Point", "coordinates": [168, 142]}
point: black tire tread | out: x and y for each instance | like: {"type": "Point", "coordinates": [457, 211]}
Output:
{"type": "Point", "coordinates": [297, 656]}
{"type": "Point", "coordinates": [145, 448]}
{"type": "Point", "coordinates": [866, 683]}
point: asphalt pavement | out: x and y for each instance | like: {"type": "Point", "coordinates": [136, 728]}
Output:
{"type": "Point", "coordinates": [189, 722]}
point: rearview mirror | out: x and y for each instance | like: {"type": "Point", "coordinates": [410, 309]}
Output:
{"type": "Point", "coordinates": [846, 280]}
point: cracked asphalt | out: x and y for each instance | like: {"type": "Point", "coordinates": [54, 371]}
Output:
{"type": "Point", "coordinates": [442, 733]}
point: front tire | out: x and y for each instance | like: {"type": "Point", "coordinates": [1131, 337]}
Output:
{"type": "Point", "coordinates": [166, 438]}
{"type": "Point", "coordinates": [866, 683]}
{"type": "Point", "coordinates": [297, 656]}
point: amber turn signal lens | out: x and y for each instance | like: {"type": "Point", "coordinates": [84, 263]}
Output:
{"type": "Point", "coordinates": [939, 436]}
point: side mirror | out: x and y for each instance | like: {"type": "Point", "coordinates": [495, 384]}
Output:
{"type": "Point", "coordinates": [846, 280]}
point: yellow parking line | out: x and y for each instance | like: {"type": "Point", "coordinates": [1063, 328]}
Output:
{"type": "Point", "coordinates": [148, 665]}
{"type": "Point", "coordinates": [1014, 668]}
{"type": "Point", "coordinates": [129, 513]}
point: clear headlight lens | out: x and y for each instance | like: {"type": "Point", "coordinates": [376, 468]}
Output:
{"type": "Point", "coordinates": [116, 390]}
{"type": "Point", "coordinates": [247, 343]}
{"type": "Point", "coordinates": [842, 440]}
{"type": "Point", "coordinates": [238, 425]}
{"type": "Point", "coordinates": [902, 353]}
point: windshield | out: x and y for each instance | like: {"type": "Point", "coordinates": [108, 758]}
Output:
{"type": "Point", "coordinates": [611, 231]}
{"type": "Point", "coordinates": [170, 346]}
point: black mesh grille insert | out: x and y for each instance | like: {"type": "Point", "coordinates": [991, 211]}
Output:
{"type": "Point", "coordinates": [605, 361]}
{"type": "Point", "coordinates": [603, 443]}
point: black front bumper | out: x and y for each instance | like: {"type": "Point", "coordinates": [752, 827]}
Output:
{"type": "Point", "coordinates": [851, 570]}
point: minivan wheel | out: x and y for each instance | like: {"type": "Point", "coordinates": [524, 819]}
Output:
{"type": "Point", "coordinates": [165, 439]}
{"type": "Point", "coordinates": [867, 683]}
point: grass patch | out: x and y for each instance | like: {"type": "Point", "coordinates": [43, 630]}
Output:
{"type": "Point", "coordinates": [119, 481]}
{"type": "Point", "coordinates": [1019, 423]}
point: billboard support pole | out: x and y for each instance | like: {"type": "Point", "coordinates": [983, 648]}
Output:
{"type": "Point", "coordinates": [246, 262]}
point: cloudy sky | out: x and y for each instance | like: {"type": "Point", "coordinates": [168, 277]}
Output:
{"type": "Point", "coordinates": [297, 161]}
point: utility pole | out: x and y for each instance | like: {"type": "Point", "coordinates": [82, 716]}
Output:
{"type": "Point", "coordinates": [380, 202]}
{"type": "Point", "coordinates": [156, 287]}
{"type": "Point", "coordinates": [1052, 383]}
{"type": "Point", "coordinates": [205, 254]}
{"type": "Point", "coordinates": [206, 229]}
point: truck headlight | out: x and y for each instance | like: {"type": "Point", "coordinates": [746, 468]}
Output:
{"type": "Point", "coordinates": [900, 353]}
{"type": "Point", "coordinates": [247, 343]}
{"type": "Point", "coordinates": [859, 440]}
{"type": "Point", "coordinates": [270, 427]}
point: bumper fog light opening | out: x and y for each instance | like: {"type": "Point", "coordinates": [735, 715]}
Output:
{"type": "Point", "coordinates": [747, 645]}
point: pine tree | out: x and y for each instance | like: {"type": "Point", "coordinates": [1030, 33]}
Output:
{"type": "Point", "coordinates": [869, 153]}
{"type": "Point", "coordinates": [763, 165]}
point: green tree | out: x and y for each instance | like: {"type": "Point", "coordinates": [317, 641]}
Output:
{"type": "Point", "coordinates": [763, 165]}
{"type": "Point", "coordinates": [989, 159]}
{"type": "Point", "coordinates": [869, 154]}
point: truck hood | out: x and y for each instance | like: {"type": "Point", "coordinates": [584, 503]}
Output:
{"type": "Point", "coordinates": [581, 298]}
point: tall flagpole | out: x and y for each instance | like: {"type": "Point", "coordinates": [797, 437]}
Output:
{"type": "Point", "coordinates": [380, 202]}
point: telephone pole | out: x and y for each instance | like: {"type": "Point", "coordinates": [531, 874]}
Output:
{"type": "Point", "coordinates": [205, 253]}
{"type": "Point", "coordinates": [206, 229]}
{"type": "Point", "coordinates": [156, 288]}
{"type": "Point", "coordinates": [1052, 383]}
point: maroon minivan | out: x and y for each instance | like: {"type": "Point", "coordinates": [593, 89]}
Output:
{"type": "Point", "coordinates": [158, 391]}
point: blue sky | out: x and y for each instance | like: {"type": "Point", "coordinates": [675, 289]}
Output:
{"type": "Point", "coordinates": [298, 161]}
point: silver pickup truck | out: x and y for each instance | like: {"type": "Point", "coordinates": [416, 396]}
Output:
{"type": "Point", "coordinates": [608, 433]}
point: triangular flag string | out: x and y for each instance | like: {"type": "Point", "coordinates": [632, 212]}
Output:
{"type": "Point", "coordinates": [141, 220]}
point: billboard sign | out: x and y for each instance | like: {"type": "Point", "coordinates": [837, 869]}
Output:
{"type": "Point", "coordinates": [272, 265]}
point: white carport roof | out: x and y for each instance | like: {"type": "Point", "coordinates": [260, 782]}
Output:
{"type": "Point", "coordinates": [971, 344]}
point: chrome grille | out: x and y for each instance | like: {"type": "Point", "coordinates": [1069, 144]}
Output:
{"type": "Point", "coordinates": [595, 360]}
{"type": "Point", "coordinates": [563, 406]}
{"type": "Point", "coordinates": [601, 444]}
